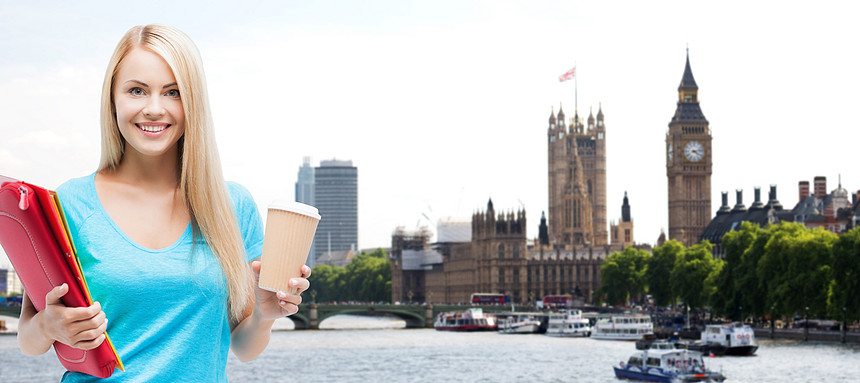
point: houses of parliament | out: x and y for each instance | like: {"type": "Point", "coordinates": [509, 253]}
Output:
{"type": "Point", "coordinates": [492, 253]}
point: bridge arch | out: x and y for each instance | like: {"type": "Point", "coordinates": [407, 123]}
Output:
{"type": "Point", "coordinates": [413, 318]}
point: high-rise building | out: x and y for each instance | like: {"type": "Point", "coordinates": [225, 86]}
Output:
{"type": "Point", "coordinates": [305, 194]}
{"type": "Point", "coordinates": [688, 164]}
{"type": "Point", "coordinates": [336, 197]}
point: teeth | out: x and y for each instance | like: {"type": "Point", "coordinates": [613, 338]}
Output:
{"type": "Point", "coordinates": [152, 129]}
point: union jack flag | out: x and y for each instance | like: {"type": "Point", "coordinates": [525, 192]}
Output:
{"type": "Point", "coordinates": [567, 75]}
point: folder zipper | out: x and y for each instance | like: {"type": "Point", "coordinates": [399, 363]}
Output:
{"type": "Point", "coordinates": [24, 204]}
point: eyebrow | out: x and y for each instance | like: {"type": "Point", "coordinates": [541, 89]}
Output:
{"type": "Point", "coordinates": [147, 85]}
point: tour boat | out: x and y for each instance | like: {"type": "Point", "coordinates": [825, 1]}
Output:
{"type": "Point", "coordinates": [623, 327]}
{"type": "Point", "coordinates": [519, 323]}
{"type": "Point", "coordinates": [737, 338]}
{"type": "Point", "coordinates": [664, 363]}
{"type": "Point", "coordinates": [469, 320]}
{"type": "Point", "coordinates": [568, 323]}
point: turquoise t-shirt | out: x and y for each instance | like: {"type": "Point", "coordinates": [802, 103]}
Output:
{"type": "Point", "coordinates": [166, 308]}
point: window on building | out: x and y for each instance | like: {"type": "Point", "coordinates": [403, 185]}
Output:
{"type": "Point", "coordinates": [501, 251]}
{"type": "Point", "coordinates": [516, 275]}
{"type": "Point", "coordinates": [627, 235]}
{"type": "Point", "coordinates": [516, 251]}
{"type": "Point", "coordinates": [501, 276]}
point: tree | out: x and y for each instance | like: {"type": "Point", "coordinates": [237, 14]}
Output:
{"type": "Point", "coordinates": [622, 275]}
{"type": "Point", "coordinates": [690, 272]}
{"type": "Point", "coordinates": [737, 281]}
{"type": "Point", "coordinates": [795, 266]}
{"type": "Point", "coordinates": [843, 300]}
{"type": "Point", "coordinates": [659, 270]}
{"type": "Point", "coordinates": [327, 281]}
{"type": "Point", "coordinates": [367, 278]}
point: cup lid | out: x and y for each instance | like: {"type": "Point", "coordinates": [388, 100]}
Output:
{"type": "Point", "coordinates": [295, 207]}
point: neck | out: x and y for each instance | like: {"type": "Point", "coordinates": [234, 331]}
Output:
{"type": "Point", "coordinates": [161, 172]}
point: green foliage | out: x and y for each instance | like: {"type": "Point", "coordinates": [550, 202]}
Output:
{"type": "Point", "coordinates": [843, 301]}
{"type": "Point", "coordinates": [622, 275]}
{"type": "Point", "coordinates": [795, 267]}
{"type": "Point", "coordinates": [691, 270]}
{"type": "Point", "coordinates": [367, 278]}
{"type": "Point", "coordinates": [659, 269]}
{"type": "Point", "coordinates": [737, 287]}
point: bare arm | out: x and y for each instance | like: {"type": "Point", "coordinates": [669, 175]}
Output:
{"type": "Point", "coordinates": [250, 337]}
{"type": "Point", "coordinates": [79, 327]}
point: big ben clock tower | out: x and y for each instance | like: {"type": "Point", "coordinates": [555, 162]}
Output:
{"type": "Point", "coordinates": [688, 164]}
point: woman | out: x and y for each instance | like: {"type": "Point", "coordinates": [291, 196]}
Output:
{"type": "Point", "coordinates": [164, 241]}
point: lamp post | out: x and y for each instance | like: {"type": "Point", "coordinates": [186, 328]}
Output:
{"type": "Point", "coordinates": [410, 294]}
{"type": "Point", "coordinates": [844, 323]}
{"type": "Point", "coordinates": [806, 325]}
{"type": "Point", "coordinates": [772, 319]}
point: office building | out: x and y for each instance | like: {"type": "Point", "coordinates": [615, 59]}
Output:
{"type": "Point", "coordinates": [336, 197]}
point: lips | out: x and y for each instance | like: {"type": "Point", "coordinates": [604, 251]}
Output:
{"type": "Point", "coordinates": [153, 127]}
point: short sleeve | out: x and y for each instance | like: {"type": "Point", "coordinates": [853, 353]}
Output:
{"type": "Point", "coordinates": [250, 222]}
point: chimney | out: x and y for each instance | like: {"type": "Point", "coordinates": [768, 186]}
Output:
{"type": "Point", "coordinates": [725, 207]}
{"type": "Point", "coordinates": [803, 188]}
{"type": "Point", "coordinates": [820, 185]}
{"type": "Point", "coordinates": [772, 201]}
{"type": "Point", "coordinates": [740, 205]}
{"type": "Point", "coordinates": [757, 204]}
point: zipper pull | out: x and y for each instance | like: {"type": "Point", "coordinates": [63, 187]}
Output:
{"type": "Point", "coordinates": [24, 204]}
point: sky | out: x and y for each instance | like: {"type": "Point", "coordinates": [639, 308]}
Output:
{"type": "Point", "coordinates": [443, 105]}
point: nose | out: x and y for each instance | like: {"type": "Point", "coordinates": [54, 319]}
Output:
{"type": "Point", "coordinates": [154, 108]}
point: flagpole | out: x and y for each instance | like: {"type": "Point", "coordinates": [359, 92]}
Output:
{"type": "Point", "coordinates": [575, 91]}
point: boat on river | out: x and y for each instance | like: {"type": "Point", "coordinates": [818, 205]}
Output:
{"type": "Point", "coordinates": [568, 323]}
{"type": "Point", "coordinates": [519, 323]}
{"type": "Point", "coordinates": [736, 338]}
{"type": "Point", "coordinates": [623, 327]}
{"type": "Point", "coordinates": [472, 319]}
{"type": "Point", "coordinates": [665, 363]}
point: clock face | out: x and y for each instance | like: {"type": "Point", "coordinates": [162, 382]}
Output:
{"type": "Point", "coordinates": [669, 153]}
{"type": "Point", "coordinates": [694, 151]}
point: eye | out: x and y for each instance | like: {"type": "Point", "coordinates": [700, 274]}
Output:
{"type": "Point", "coordinates": [136, 91]}
{"type": "Point", "coordinates": [172, 93]}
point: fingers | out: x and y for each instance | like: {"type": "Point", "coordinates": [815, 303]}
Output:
{"type": "Point", "coordinates": [79, 327]}
{"type": "Point", "coordinates": [255, 266]}
{"type": "Point", "coordinates": [91, 338]}
{"type": "Point", "coordinates": [53, 296]}
{"type": "Point", "coordinates": [289, 302]}
{"type": "Point", "coordinates": [306, 271]}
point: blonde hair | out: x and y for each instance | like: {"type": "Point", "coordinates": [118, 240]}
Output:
{"type": "Point", "coordinates": [201, 179]}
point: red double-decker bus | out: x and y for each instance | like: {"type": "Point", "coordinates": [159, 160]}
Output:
{"type": "Point", "coordinates": [490, 298]}
{"type": "Point", "coordinates": [557, 301]}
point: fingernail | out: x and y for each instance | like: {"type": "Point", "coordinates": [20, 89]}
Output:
{"type": "Point", "coordinates": [294, 282]}
{"type": "Point", "coordinates": [282, 294]}
{"type": "Point", "coordinates": [282, 303]}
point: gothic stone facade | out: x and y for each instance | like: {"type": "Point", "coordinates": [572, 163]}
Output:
{"type": "Point", "coordinates": [499, 259]}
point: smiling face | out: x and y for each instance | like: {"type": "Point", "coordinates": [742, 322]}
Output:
{"type": "Point", "coordinates": [148, 106]}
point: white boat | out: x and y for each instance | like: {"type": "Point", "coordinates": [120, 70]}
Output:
{"type": "Point", "coordinates": [623, 327]}
{"type": "Point", "coordinates": [737, 338]}
{"type": "Point", "coordinates": [469, 320]}
{"type": "Point", "coordinates": [519, 323]}
{"type": "Point", "coordinates": [665, 363]}
{"type": "Point", "coordinates": [568, 323]}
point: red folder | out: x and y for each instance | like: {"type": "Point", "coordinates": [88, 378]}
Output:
{"type": "Point", "coordinates": [35, 237]}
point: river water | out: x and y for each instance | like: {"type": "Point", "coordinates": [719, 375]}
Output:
{"type": "Point", "coordinates": [394, 354]}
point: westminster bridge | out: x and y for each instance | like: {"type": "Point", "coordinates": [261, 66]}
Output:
{"type": "Point", "coordinates": [415, 315]}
